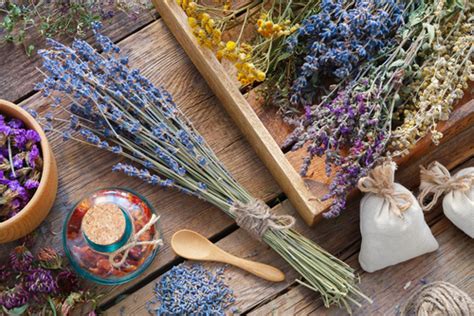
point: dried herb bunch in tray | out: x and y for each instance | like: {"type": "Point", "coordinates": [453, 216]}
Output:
{"type": "Point", "coordinates": [360, 81]}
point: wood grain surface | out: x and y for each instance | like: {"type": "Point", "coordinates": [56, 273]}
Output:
{"type": "Point", "coordinates": [308, 206]}
{"type": "Point", "coordinates": [83, 169]}
{"type": "Point", "coordinates": [452, 263]}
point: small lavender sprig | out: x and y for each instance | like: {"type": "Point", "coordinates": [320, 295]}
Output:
{"type": "Point", "coordinates": [115, 108]}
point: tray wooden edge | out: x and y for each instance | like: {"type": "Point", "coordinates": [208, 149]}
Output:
{"type": "Point", "coordinates": [308, 206]}
{"type": "Point", "coordinates": [457, 141]}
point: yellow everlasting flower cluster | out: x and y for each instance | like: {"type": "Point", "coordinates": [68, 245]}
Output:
{"type": "Point", "coordinates": [267, 28]}
{"type": "Point", "coordinates": [208, 31]}
{"type": "Point", "coordinates": [442, 82]}
{"type": "Point", "coordinates": [204, 27]}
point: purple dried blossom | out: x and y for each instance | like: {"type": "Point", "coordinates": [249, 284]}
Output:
{"type": "Point", "coordinates": [191, 289]}
{"type": "Point", "coordinates": [39, 281]}
{"type": "Point", "coordinates": [33, 156]}
{"type": "Point", "coordinates": [49, 258]}
{"type": "Point", "coordinates": [18, 179]}
{"type": "Point", "coordinates": [21, 259]}
{"type": "Point", "coordinates": [15, 297]}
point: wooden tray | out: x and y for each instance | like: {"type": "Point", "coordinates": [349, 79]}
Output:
{"type": "Point", "coordinates": [456, 146]}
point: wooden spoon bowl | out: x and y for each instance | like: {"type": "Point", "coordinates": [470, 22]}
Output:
{"type": "Point", "coordinates": [42, 201]}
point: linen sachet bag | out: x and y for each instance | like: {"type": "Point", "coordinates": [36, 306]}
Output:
{"type": "Point", "coordinates": [458, 202]}
{"type": "Point", "coordinates": [392, 223]}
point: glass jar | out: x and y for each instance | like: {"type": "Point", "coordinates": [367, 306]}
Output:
{"type": "Point", "coordinates": [104, 236]}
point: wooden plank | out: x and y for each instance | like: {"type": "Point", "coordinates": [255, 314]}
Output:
{"type": "Point", "coordinates": [391, 287]}
{"type": "Point", "coordinates": [249, 290]}
{"type": "Point", "coordinates": [83, 169]}
{"type": "Point", "coordinates": [18, 70]}
{"type": "Point", "coordinates": [300, 301]}
{"type": "Point", "coordinates": [239, 109]}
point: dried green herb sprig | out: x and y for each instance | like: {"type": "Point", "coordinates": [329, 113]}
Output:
{"type": "Point", "coordinates": [59, 18]}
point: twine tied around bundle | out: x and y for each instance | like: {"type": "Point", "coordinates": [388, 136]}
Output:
{"type": "Point", "coordinates": [133, 242]}
{"type": "Point", "coordinates": [256, 218]}
{"type": "Point", "coordinates": [439, 299]}
{"type": "Point", "coordinates": [380, 181]}
{"type": "Point", "coordinates": [436, 181]}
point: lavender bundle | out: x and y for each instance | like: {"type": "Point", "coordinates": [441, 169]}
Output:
{"type": "Point", "coordinates": [117, 109]}
{"type": "Point", "coordinates": [353, 128]}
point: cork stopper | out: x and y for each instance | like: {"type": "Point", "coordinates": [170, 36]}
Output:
{"type": "Point", "coordinates": [104, 224]}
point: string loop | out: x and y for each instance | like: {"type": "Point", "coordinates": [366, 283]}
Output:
{"type": "Point", "coordinates": [256, 218]}
{"type": "Point", "coordinates": [436, 181]}
{"type": "Point", "coordinates": [133, 242]}
{"type": "Point", "coordinates": [439, 298]}
{"type": "Point", "coordinates": [380, 181]}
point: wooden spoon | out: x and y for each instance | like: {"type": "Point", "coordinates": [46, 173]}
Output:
{"type": "Point", "coordinates": [191, 245]}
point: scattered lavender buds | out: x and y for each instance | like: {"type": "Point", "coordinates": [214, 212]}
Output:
{"type": "Point", "coordinates": [186, 290]}
{"type": "Point", "coordinates": [20, 166]}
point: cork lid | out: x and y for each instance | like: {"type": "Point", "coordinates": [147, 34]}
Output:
{"type": "Point", "coordinates": [104, 224]}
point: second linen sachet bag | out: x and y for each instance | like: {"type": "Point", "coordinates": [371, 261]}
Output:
{"type": "Point", "coordinates": [392, 224]}
{"type": "Point", "coordinates": [458, 203]}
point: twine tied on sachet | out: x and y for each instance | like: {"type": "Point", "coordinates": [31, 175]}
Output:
{"type": "Point", "coordinates": [256, 218]}
{"type": "Point", "coordinates": [133, 242]}
{"type": "Point", "coordinates": [436, 181]}
{"type": "Point", "coordinates": [380, 181]}
{"type": "Point", "coordinates": [439, 299]}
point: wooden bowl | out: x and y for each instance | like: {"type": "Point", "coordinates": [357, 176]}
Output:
{"type": "Point", "coordinates": [40, 204]}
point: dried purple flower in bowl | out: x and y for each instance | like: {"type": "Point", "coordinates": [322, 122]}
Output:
{"type": "Point", "coordinates": [28, 173]}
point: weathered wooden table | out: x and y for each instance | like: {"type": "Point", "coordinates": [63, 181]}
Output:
{"type": "Point", "coordinates": [82, 169]}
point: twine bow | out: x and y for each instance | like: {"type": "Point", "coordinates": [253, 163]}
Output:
{"type": "Point", "coordinates": [135, 241]}
{"type": "Point", "coordinates": [439, 299]}
{"type": "Point", "coordinates": [436, 181]}
{"type": "Point", "coordinates": [380, 181]}
{"type": "Point", "coordinates": [256, 217]}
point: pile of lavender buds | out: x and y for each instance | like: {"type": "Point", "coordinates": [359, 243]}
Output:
{"type": "Point", "coordinates": [191, 289]}
{"type": "Point", "coordinates": [20, 166]}
{"type": "Point", "coordinates": [38, 284]}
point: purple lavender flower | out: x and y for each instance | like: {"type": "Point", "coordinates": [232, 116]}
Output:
{"type": "Point", "coordinates": [39, 281]}
{"type": "Point", "coordinates": [31, 184]}
{"type": "Point", "coordinates": [32, 137]}
{"type": "Point", "coordinates": [15, 297]}
{"type": "Point", "coordinates": [338, 39]}
{"type": "Point", "coordinates": [33, 156]}
{"type": "Point", "coordinates": [350, 132]}
{"type": "Point", "coordinates": [21, 259]}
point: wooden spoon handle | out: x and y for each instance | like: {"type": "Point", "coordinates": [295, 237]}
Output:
{"type": "Point", "coordinates": [261, 270]}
